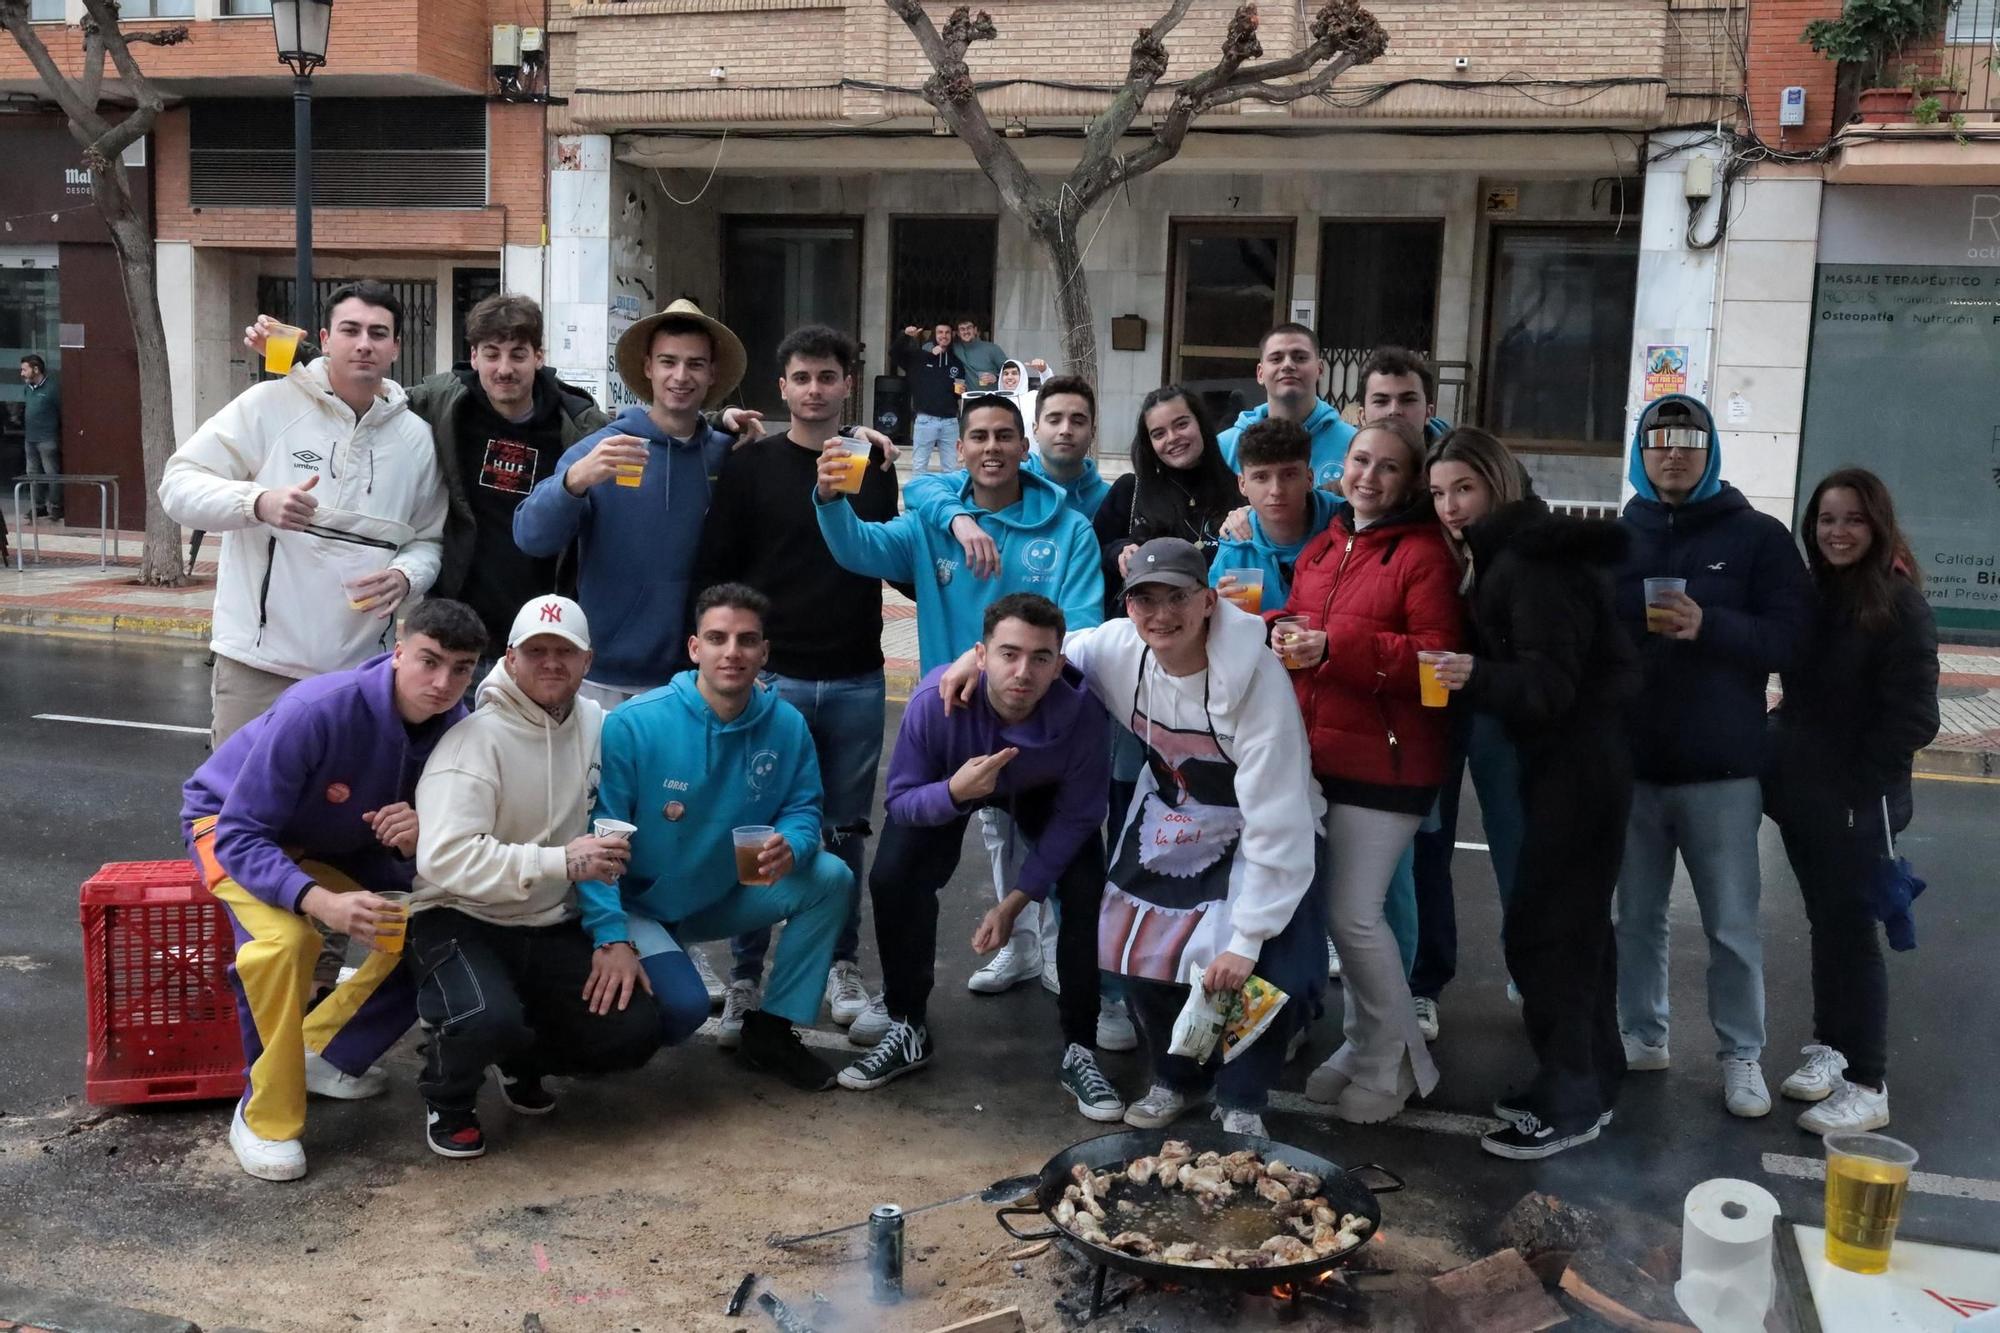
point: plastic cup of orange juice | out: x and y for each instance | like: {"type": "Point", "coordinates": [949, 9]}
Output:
{"type": "Point", "coordinates": [1248, 592]}
{"type": "Point", "coordinates": [392, 923]}
{"type": "Point", "coordinates": [281, 344]}
{"type": "Point", "coordinates": [857, 466]}
{"type": "Point", "coordinates": [1435, 695]}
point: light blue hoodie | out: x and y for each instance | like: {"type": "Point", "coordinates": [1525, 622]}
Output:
{"type": "Point", "coordinates": [1086, 490]}
{"type": "Point", "coordinates": [1260, 552]}
{"type": "Point", "coordinates": [938, 496]}
{"type": "Point", "coordinates": [686, 778]}
{"type": "Point", "coordinates": [1045, 546]}
{"type": "Point", "coordinates": [1330, 436]}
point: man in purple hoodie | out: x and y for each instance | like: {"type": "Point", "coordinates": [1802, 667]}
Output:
{"type": "Point", "coordinates": [1034, 743]}
{"type": "Point", "coordinates": [306, 812]}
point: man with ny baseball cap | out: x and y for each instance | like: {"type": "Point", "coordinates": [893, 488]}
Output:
{"type": "Point", "coordinates": [494, 939]}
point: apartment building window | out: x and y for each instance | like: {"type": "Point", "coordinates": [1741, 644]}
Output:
{"type": "Point", "coordinates": [156, 9]}
{"type": "Point", "coordinates": [1973, 21]}
{"type": "Point", "coordinates": [1229, 284]}
{"type": "Point", "coordinates": [1378, 283]}
{"type": "Point", "coordinates": [941, 268]}
{"type": "Point", "coordinates": [236, 7]}
{"type": "Point", "coordinates": [1559, 336]}
{"type": "Point", "coordinates": [368, 152]}
{"type": "Point", "coordinates": [45, 11]}
{"type": "Point", "coordinates": [779, 273]}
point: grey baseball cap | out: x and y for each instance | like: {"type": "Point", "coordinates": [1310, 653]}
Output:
{"type": "Point", "coordinates": [1165, 560]}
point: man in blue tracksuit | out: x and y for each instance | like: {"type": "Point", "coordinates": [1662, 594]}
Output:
{"type": "Point", "coordinates": [1289, 368]}
{"type": "Point", "coordinates": [632, 496]}
{"type": "Point", "coordinates": [1697, 731]}
{"type": "Point", "coordinates": [1044, 546]}
{"type": "Point", "coordinates": [711, 752]}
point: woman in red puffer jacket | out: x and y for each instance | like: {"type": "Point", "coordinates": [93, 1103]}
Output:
{"type": "Point", "coordinates": [1376, 588]}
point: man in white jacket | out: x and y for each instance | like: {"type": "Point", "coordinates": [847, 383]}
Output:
{"type": "Point", "coordinates": [499, 955]}
{"type": "Point", "coordinates": [326, 489]}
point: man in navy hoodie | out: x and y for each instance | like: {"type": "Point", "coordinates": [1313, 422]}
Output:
{"type": "Point", "coordinates": [1697, 732]}
{"type": "Point", "coordinates": [1035, 743]}
{"type": "Point", "coordinates": [633, 495]}
{"type": "Point", "coordinates": [306, 812]}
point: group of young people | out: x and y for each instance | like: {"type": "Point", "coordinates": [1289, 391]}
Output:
{"type": "Point", "coordinates": [1266, 780]}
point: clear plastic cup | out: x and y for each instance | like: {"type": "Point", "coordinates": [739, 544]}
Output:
{"type": "Point", "coordinates": [631, 474]}
{"type": "Point", "coordinates": [1866, 1178]}
{"type": "Point", "coordinates": [1249, 590]}
{"type": "Point", "coordinates": [750, 840]}
{"type": "Point", "coordinates": [1287, 635]}
{"type": "Point", "coordinates": [1659, 616]}
{"type": "Point", "coordinates": [281, 345]}
{"type": "Point", "coordinates": [390, 930]}
{"type": "Point", "coordinates": [857, 466]}
{"type": "Point", "coordinates": [1435, 695]}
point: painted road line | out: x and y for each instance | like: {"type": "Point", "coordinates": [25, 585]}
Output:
{"type": "Point", "coordinates": [1922, 776]}
{"type": "Point", "coordinates": [1921, 1182]}
{"type": "Point", "coordinates": [1472, 847]}
{"type": "Point", "coordinates": [119, 722]}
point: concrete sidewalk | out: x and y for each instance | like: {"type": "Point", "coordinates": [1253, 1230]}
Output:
{"type": "Point", "coordinates": [67, 594]}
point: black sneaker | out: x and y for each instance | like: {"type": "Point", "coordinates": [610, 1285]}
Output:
{"type": "Point", "coordinates": [901, 1050]}
{"type": "Point", "coordinates": [1514, 1109]}
{"type": "Point", "coordinates": [526, 1095]}
{"type": "Point", "coordinates": [772, 1045]}
{"type": "Point", "coordinates": [453, 1133]}
{"type": "Point", "coordinates": [1528, 1139]}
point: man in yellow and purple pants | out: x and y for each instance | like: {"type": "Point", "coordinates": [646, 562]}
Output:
{"type": "Point", "coordinates": [306, 813]}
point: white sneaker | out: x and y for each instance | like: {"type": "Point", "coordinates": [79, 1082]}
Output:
{"type": "Point", "coordinates": [1051, 979]}
{"type": "Point", "coordinates": [846, 997]}
{"type": "Point", "coordinates": [1241, 1122]}
{"type": "Point", "coordinates": [266, 1159]}
{"type": "Point", "coordinates": [1114, 1027]}
{"type": "Point", "coordinates": [1016, 962]}
{"type": "Point", "coordinates": [323, 1080]}
{"type": "Point", "coordinates": [714, 985]}
{"type": "Point", "coordinates": [1427, 1017]}
{"type": "Point", "coordinates": [1159, 1107]}
{"type": "Point", "coordinates": [1332, 959]}
{"type": "Point", "coordinates": [739, 1000]}
{"type": "Point", "coordinates": [1815, 1080]}
{"type": "Point", "coordinates": [1743, 1089]}
{"type": "Point", "coordinates": [873, 1025]}
{"type": "Point", "coordinates": [1642, 1057]}
{"type": "Point", "coordinates": [1850, 1107]}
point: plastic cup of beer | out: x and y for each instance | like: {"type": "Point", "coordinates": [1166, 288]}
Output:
{"type": "Point", "coordinates": [1435, 695]}
{"type": "Point", "coordinates": [1659, 616]}
{"type": "Point", "coordinates": [392, 922]}
{"type": "Point", "coordinates": [857, 466]}
{"type": "Point", "coordinates": [750, 840]}
{"type": "Point", "coordinates": [631, 474]}
{"type": "Point", "coordinates": [1248, 591]}
{"type": "Point", "coordinates": [613, 828]}
{"type": "Point", "coordinates": [281, 344]}
{"type": "Point", "coordinates": [1866, 1178]}
{"type": "Point", "coordinates": [1288, 633]}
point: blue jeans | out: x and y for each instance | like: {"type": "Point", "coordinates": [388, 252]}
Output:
{"type": "Point", "coordinates": [811, 901]}
{"type": "Point", "coordinates": [44, 458]}
{"type": "Point", "coordinates": [1714, 826]}
{"type": "Point", "coordinates": [933, 435]}
{"type": "Point", "coordinates": [1496, 777]}
{"type": "Point", "coordinates": [845, 719]}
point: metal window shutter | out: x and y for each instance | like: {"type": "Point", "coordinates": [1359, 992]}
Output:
{"type": "Point", "coordinates": [398, 152]}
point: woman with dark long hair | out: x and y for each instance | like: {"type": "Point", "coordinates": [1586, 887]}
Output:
{"type": "Point", "coordinates": [1860, 701]}
{"type": "Point", "coordinates": [1549, 661]}
{"type": "Point", "coordinates": [1179, 486]}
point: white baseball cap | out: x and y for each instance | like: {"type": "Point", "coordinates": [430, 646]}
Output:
{"type": "Point", "coordinates": [550, 615]}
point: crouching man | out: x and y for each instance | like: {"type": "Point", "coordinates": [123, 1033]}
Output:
{"type": "Point", "coordinates": [501, 961]}
{"type": "Point", "coordinates": [708, 756]}
{"type": "Point", "coordinates": [305, 812]}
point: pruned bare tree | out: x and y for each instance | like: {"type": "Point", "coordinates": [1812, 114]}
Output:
{"type": "Point", "coordinates": [1340, 36]}
{"type": "Point", "coordinates": [104, 137]}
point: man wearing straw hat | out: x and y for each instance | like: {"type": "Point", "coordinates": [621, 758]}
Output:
{"type": "Point", "coordinates": [633, 495]}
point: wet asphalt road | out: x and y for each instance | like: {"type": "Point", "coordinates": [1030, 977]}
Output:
{"type": "Point", "coordinates": [73, 796]}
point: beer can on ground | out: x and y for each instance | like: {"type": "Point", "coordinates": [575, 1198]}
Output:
{"type": "Point", "coordinates": [885, 1252]}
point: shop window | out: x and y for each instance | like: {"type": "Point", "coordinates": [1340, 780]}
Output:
{"type": "Point", "coordinates": [1559, 336]}
{"type": "Point", "coordinates": [416, 358]}
{"type": "Point", "coordinates": [941, 268]}
{"type": "Point", "coordinates": [779, 273]}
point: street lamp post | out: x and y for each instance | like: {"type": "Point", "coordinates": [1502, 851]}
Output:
{"type": "Point", "coordinates": [302, 28]}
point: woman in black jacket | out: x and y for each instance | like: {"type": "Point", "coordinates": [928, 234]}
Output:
{"type": "Point", "coordinates": [1860, 701]}
{"type": "Point", "coordinates": [1551, 662]}
{"type": "Point", "coordinates": [1179, 486]}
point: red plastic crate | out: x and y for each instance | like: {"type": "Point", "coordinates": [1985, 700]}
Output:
{"type": "Point", "coordinates": [162, 1020]}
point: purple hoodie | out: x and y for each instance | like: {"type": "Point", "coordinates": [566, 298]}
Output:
{"type": "Point", "coordinates": [302, 775]}
{"type": "Point", "coordinates": [1064, 744]}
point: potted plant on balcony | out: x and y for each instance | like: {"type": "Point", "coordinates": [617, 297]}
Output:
{"type": "Point", "coordinates": [1867, 36]}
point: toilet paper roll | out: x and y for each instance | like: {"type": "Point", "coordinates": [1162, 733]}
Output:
{"type": "Point", "coordinates": [1726, 1242]}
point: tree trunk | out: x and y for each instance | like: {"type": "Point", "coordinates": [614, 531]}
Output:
{"type": "Point", "coordinates": [1079, 325]}
{"type": "Point", "coordinates": [161, 563]}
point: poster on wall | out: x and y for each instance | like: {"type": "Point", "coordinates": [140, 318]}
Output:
{"type": "Point", "coordinates": [1666, 369]}
{"type": "Point", "coordinates": [1901, 382]}
{"type": "Point", "coordinates": [625, 312]}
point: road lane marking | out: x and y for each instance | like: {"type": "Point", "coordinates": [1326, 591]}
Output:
{"type": "Point", "coordinates": [1922, 1182]}
{"type": "Point", "coordinates": [1472, 847]}
{"type": "Point", "coordinates": [119, 722]}
{"type": "Point", "coordinates": [1922, 776]}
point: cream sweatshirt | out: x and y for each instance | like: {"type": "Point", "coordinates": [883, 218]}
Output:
{"type": "Point", "coordinates": [503, 794]}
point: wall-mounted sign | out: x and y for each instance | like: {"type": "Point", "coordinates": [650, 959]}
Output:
{"type": "Point", "coordinates": [1503, 200]}
{"type": "Point", "coordinates": [1666, 369]}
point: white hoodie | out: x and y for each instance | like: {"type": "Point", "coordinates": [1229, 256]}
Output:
{"type": "Point", "coordinates": [279, 605]}
{"type": "Point", "coordinates": [1255, 717]}
{"type": "Point", "coordinates": [491, 846]}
